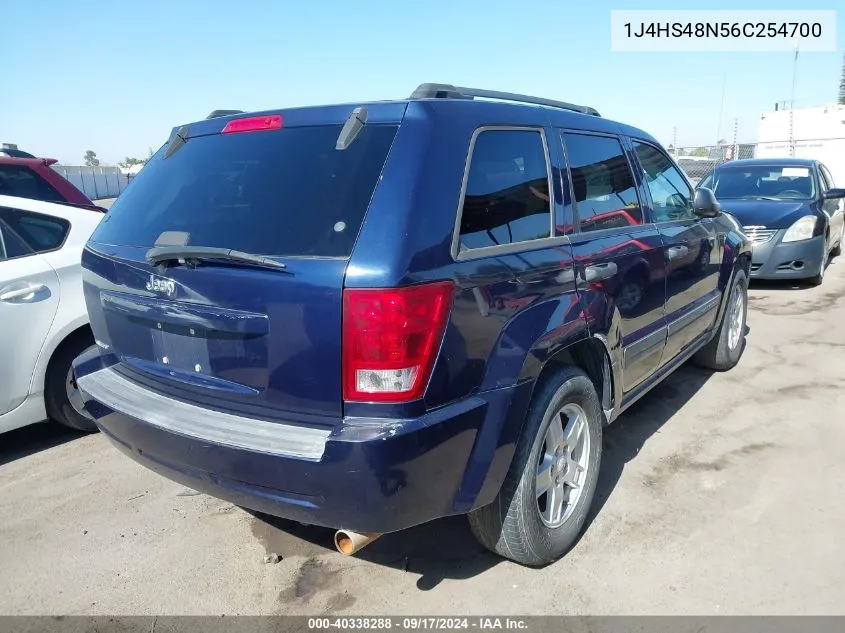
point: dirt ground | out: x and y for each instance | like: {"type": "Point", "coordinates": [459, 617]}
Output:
{"type": "Point", "coordinates": [720, 494]}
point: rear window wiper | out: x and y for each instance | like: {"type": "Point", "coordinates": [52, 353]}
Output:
{"type": "Point", "coordinates": [192, 255]}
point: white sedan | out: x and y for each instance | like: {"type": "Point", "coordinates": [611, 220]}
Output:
{"type": "Point", "coordinates": [43, 320]}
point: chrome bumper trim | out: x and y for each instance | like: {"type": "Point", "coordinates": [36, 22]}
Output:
{"type": "Point", "coordinates": [124, 396]}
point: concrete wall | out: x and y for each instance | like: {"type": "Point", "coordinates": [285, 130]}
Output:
{"type": "Point", "coordinates": [95, 182]}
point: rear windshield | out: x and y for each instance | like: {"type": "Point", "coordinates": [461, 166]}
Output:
{"type": "Point", "coordinates": [285, 192]}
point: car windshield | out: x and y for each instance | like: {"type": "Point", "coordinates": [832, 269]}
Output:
{"type": "Point", "coordinates": [766, 182]}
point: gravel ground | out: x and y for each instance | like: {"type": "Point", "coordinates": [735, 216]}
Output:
{"type": "Point", "coordinates": [720, 494]}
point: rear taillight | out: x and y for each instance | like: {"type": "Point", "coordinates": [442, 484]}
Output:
{"type": "Point", "coordinates": [254, 124]}
{"type": "Point", "coordinates": [390, 340]}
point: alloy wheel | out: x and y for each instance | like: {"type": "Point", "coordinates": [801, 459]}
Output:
{"type": "Point", "coordinates": [562, 465]}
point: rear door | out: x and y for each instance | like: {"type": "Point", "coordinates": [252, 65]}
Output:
{"type": "Point", "coordinates": [261, 342]}
{"type": "Point", "coordinates": [29, 297]}
{"type": "Point", "coordinates": [618, 257]}
{"type": "Point", "coordinates": [692, 251]}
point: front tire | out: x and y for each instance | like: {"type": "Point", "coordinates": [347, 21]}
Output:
{"type": "Point", "coordinates": [819, 279]}
{"type": "Point", "coordinates": [836, 252]}
{"type": "Point", "coordinates": [60, 390]}
{"type": "Point", "coordinates": [542, 506]}
{"type": "Point", "coordinates": [725, 349]}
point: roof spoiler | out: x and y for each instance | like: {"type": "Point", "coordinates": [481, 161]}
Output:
{"type": "Point", "coordinates": [218, 113]}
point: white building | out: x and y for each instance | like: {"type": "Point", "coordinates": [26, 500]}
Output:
{"type": "Point", "coordinates": [131, 170]}
{"type": "Point", "coordinates": [817, 133]}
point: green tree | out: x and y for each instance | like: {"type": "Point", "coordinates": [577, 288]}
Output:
{"type": "Point", "coordinates": [91, 159]}
{"type": "Point", "coordinates": [128, 162]}
{"type": "Point", "coordinates": [700, 151]}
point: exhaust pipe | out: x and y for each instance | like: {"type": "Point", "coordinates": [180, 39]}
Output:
{"type": "Point", "coordinates": [348, 542]}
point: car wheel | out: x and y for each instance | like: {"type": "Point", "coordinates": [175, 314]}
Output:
{"type": "Point", "coordinates": [817, 280]}
{"type": "Point", "coordinates": [725, 349]}
{"type": "Point", "coordinates": [543, 503]}
{"type": "Point", "coordinates": [61, 396]}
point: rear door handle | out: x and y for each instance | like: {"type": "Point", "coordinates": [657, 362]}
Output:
{"type": "Point", "coordinates": [599, 272]}
{"type": "Point", "coordinates": [20, 293]}
{"type": "Point", "coordinates": [676, 252]}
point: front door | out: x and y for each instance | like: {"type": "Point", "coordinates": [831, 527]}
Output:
{"type": "Point", "coordinates": [835, 209]}
{"type": "Point", "coordinates": [692, 251]}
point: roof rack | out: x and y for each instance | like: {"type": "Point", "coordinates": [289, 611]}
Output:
{"type": "Point", "coordinates": [448, 91]}
{"type": "Point", "coordinates": [217, 113]}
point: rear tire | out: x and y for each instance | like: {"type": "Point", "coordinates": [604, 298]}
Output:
{"type": "Point", "coordinates": [60, 388]}
{"type": "Point", "coordinates": [725, 349]}
{"type": "Point", "coordinates": [523, 525]}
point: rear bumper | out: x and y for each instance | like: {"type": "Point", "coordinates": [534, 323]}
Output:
{"type": "Point", "coordinates": [370, 476]}
{"type": "Point", "coordinates": [777, 260]}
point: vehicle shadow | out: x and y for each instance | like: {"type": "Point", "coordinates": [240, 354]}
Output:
{"type": "Point", "coordinates": [445, 548]}
{"type": "Point", "coordinates": [32, 439]}
{"type": "Point", "coordinates": [438, 550]}
{"type": "Point", "coordinates": [765, 284]}
{"type": "Point", "coordinates": [623, 440]}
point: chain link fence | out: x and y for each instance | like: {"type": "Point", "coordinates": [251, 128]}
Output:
{"type": "Point", "coordinates": [699, 161]}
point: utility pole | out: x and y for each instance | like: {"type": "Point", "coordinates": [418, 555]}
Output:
{"type": "Point", "coordinates": [792, 103]}
{"type": "Point", "coordinates": [721, 108]}
{"type": "Point", "coordinates": [736, 147]}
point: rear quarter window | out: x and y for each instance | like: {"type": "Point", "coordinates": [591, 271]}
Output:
{"type": "Point", "coordinates": [40, 233]}
{"type": "Point", "coordinates": [506, 198]}
{"type": "Point", "coordinates": [282, 192]}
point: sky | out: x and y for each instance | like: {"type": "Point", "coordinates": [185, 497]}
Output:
{"type": "Point", "coordinates": [115, 77]}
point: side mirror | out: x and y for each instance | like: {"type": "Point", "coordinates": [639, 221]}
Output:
{"type": "Point", "coordinates": [705, 204]}
{"type": "Point", "coordinates": [833, 194]}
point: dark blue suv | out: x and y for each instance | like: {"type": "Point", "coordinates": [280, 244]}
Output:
{"type": "Point", "coordinates": [369, 316]}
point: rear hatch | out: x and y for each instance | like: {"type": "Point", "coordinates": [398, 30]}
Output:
{"type": "Point", "coordinates": [258, 332]}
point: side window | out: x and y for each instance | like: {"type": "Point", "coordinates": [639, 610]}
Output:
{"type": "Point", "coordinates": [603, 187]}
{"type": "Point", "coordinates": [827, 178]}
{"type": "Point", "coordinates": [507, 190]}
{"type": "Point", "coordinates": [22, 182]}
{"type": "Point", "coordinates": [671, 196]}
{"type": "Point", "coordinates": [11, 245]}
{"type": "Point", "coordinates": [39, 233]}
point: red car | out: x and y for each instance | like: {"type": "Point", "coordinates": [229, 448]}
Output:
{"type": "Point", "coordinates": [34, 178]}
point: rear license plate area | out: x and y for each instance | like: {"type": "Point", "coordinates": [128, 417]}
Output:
{"type": "Point", "coordinates": [185, 350]}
